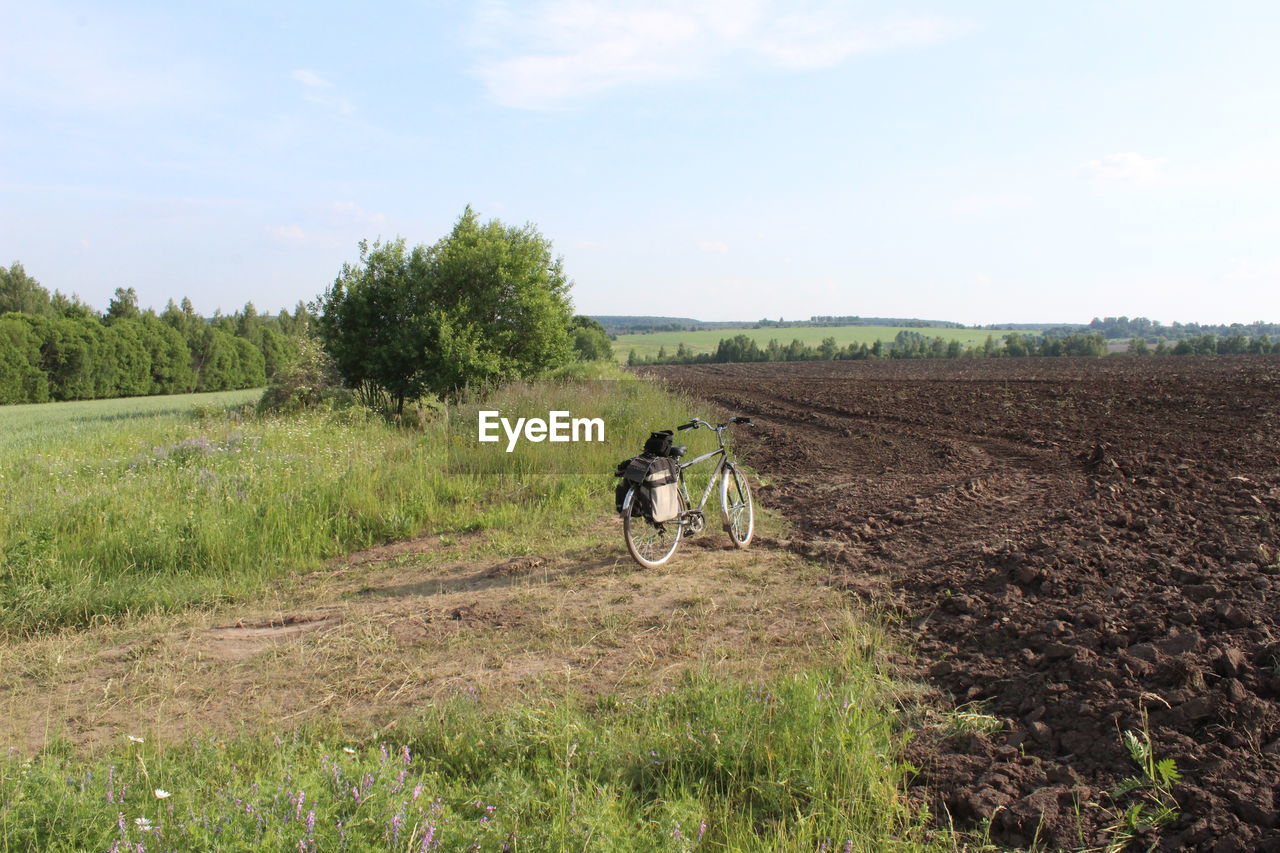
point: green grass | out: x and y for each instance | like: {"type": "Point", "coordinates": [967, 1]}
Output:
{"type": "Point", "coordinates": [110, 509]}
{"type": "Point", "coordinates": [706, 341]}
{"type": "Point", "coordinates": [35, 425]}
{"type": "Point", "coordinates": [806, 762]}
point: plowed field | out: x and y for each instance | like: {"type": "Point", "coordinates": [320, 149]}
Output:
{"type": "Point", "coordinates": [1073, 545]}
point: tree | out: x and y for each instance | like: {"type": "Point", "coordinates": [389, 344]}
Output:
{"type": "Point", "coordinates": [123, 350]}
{"type": "Point", "coordinates": [20, 292]}
{"type": "Point", "coordinates": [486, 303]}
{"type": "Point", "coordinates": [504, 284]}
{"type": "Point", "coordinates": [170, 357]}
{"type": "Point", "coordinates": [21, 379]}
{"type": "Point", "coordinates": [123, 306]}
{"type": "Point", "coordinates": [590, 340]}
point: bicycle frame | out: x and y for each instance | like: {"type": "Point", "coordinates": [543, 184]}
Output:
{"type": "Point", "coordinates": [716, 474]}
{"type": "Point", "coordinates": [711, 482]}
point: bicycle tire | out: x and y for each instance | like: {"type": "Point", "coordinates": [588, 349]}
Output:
{"type": "Point", "coordinates": [651, 544]}
{"type": "Point", "coordinates": [736, 507]}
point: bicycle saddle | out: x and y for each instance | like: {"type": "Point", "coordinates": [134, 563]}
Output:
{"type": "Point", "coordinates": [677, 452]}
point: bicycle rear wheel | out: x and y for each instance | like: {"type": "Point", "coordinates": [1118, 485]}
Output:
{"type": "Point", "coordinates": [650, 544]}
{"type": "Point", "coordinates": [736, 507]}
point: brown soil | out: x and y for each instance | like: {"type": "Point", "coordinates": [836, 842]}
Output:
{"type": "Point", "coordinates": [1072, 544]}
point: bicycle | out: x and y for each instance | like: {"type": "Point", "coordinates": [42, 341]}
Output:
{"type": "Point", "coordinates": [653, 543]}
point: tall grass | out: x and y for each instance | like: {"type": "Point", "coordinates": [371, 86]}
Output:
{"type": "Point", "coordinates": [117, 509]}
{"type": "Point", "coordinates": [806, 763]}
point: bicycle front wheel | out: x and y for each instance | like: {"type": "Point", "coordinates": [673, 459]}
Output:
{"type": "Point", "coordinates": [651, 544]}
{"type": "Point", "coordinates": [735, 504]}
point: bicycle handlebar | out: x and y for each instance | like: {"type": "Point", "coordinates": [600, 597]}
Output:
{"type": "Point", "coordinates": [697, 422]}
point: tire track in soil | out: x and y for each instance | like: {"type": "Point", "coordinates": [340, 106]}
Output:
{"type": "Point", "coordinates": [1079, 543]}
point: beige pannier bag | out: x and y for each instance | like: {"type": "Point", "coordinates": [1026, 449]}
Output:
{"type": "Point", "coordinates": [664, 494]}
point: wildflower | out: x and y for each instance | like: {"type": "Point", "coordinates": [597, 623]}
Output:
{"type": "Point", "coordinates": [348, 750]}
{"type": "Point", "coordinates": [162, 794]}
{"type": "Point", "coordinates": [133, 739]}
{"type": "Point", "coordinates": [404, 753]}
{"type": "Point", "coordinates": [702, 830]}
{"type": "Point", "coordinates": [143, 824]}
{"type": "Point", "coordinates": [311, 823]}
{"type": "Point", "coordinates": [428, 840]}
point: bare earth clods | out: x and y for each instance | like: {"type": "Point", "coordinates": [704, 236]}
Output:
{"type": "Point", "coordinates": [1072, 544]}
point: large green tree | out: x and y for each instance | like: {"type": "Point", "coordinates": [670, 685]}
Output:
{"type": "Point", "coordinates": [485, 303]}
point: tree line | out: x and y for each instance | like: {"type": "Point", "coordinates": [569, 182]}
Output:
{"type": "Point", "coordinates": [909, 344]}
{"type": "Point", "coordinates": [55, 347]}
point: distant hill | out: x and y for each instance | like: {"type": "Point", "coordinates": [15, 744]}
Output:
{"type": "Point", "coordinates": [628, 325]}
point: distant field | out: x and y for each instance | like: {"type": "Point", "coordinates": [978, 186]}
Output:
{"type": "Point", "coordinates": [38, 423]}
{"type": "Point", "coordinates": [706, 341]}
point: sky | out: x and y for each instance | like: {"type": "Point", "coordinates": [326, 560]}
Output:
{"type": "Point", "coordinates": [981, 162]}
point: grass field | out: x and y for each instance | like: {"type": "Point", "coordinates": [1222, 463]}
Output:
{"type": "Point", "coordinates": [125, 506]}
{"type": "Point", "coordinates": [735, 702]}
{"type": "Point", "coordinates": [41, 425]}
{"type": "Point", "coordinates": [706, 341]}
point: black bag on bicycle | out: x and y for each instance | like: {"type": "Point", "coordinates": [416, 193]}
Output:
{"type": "Point", "coordinates": [659, 443]}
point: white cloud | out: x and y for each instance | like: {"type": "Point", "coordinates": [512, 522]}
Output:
{"type": "Point", "coordinates": [566, 49]}
{"type": "Point", "coordinates": [1126, 166]}
{"type": "Point", "coordinates": [310, 78]}
{"type": "Point", "coordinates": [290, 235]}
{"type": "Point", "coordinates": [1266, 270]}
{"type": "Point", "coordinates": [317, 91]}
{"type": "Point", "coordinates": [714, 247]}
{"type": "Point", "coordinates": [979, 205]}
{"type": "Point", "coordinates": [348, 212]}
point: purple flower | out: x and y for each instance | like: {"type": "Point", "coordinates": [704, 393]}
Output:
{"type": "Point", "coordinates": [428, 840]}
{"type": "Point", "coordinates": [404, 753]}
{"type": "Point", "coordinates": [311, 823]}
{"type": "Point", "coordinates": [702, 830]}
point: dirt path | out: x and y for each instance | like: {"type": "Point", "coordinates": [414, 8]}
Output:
{"type": "Point", "coordinates": [1072, 544]}
{"type": "Point", "coordinates": [383, 632]}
